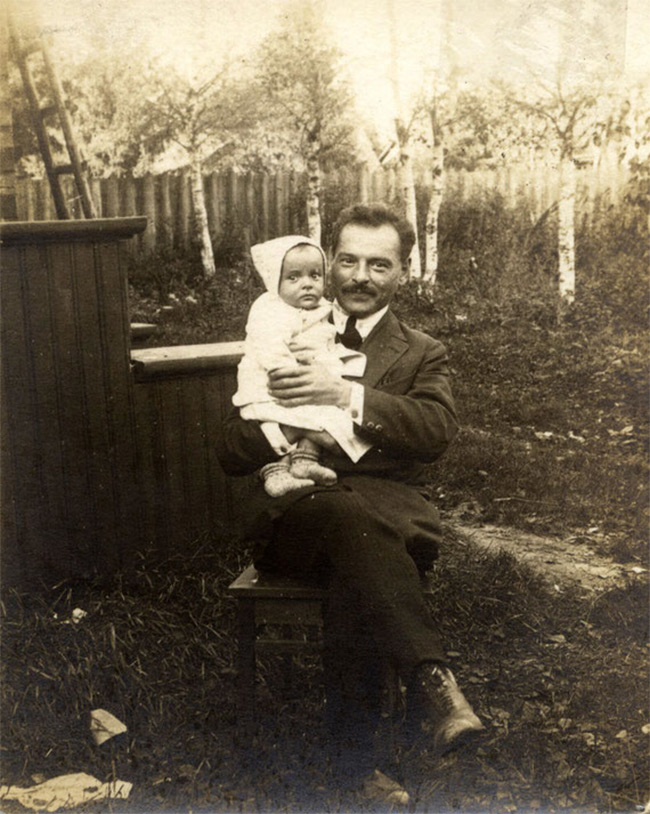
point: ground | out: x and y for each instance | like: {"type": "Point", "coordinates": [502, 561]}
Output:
{"type": "Point", "coordinates": [541, 587]}
{"type": "Point", "coordinates": [551, 654]}
{"type": "Point", "coordinates": [566, 562]}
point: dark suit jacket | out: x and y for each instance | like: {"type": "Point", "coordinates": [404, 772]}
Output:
{"type": "Point", "coordinates": [408, 415]}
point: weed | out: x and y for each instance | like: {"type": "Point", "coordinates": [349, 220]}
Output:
{"type": "Point", "coordinates": [557, 678]}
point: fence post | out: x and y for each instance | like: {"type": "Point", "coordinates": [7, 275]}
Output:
{"type": "Point", "coordinates": [224, 212]}
{"type": "Point", "coordinates": [378, 185]}
{"type": "Point", "coordinates": [96, 195]}
{"type": "Point", "coordinates": [250, 230]}
{"type": "Point", "coordinates": [26, 186]}
{"type": "Point", "coordinates": [149, 207]}
{"type": "Point", "coordinates": [184, 209]}
{"type": "Point", "coordinates": [391, 184]}
{"type": "Point", "coordinates": [166, 218]}
{"type": "Point", "coordinates": [363, 182]}
{"type": "Point", "coordinates": [294, 217]}
{"type": "Point", "coordinates": [231, 195]}
{"type": "Point", "coordinates": [212, 203]}
{"type": "Point", "coordinates": [112, 209]}
{"type": "Point", "coordinates": [133, 247]}
{"type": "Point", "coordinates": [264, 208]}
{"type": "Point", "coordinates": [280, 212]}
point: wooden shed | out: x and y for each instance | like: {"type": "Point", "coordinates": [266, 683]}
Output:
{"type": "Point", "coordinates": [105, 450]}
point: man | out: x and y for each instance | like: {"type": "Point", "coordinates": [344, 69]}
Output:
{"type": "Point", "coordinates": [373, 533]}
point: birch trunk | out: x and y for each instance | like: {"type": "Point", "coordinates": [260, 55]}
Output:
{"type": "Point", "coordinates": [201, 219]}
{"type": "Point", "coordinates": [313, 191]}
{"type": "Point", "coordinates": [431, 228]}
{"type": "Point", "coordinates": [406, 164]}
{"type": "Point", "coordinates": [408, 190]}
{"type": "Point", "coordinates": [566, 231]}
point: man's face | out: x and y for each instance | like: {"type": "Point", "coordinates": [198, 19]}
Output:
{"type": "Point", "coordinates": [303, 277]}
{"type": "Point", "coordinates": [367, 268]}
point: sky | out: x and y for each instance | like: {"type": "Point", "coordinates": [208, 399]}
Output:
{"type": "Point", "coordinates": [490, 37]}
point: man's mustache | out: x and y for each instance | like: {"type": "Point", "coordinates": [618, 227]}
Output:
{"type": "Point", "coordinates": [357, 288]}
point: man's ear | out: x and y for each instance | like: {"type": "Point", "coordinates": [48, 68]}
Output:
{"type": "Point", "coordinates": [405, 273]}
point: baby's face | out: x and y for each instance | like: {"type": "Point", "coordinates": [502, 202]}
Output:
{"type": "Point", "coordinates": [303, 277]}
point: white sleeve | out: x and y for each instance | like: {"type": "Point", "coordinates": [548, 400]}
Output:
{"type": "Point", "coordinates": [267, 330]}
{"type": "Point", "coordinates": [355, 408]}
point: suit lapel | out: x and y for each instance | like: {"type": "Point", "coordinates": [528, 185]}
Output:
{"type": "Point", "coordinates": [384, 345]}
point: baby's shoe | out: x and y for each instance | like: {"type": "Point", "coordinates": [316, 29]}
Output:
{"type": "Point", "coordinates": [278, 480]}
{"type": "Point", "coordinates": [305, 464]}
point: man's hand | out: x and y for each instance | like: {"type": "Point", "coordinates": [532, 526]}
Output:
{"type": "Point", "coordinates": [308, 384]}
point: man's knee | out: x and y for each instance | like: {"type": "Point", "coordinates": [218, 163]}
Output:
{"type": "Point", "coordinates": [331, 506]}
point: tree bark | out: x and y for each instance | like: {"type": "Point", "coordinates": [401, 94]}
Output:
{"type": "Point", "coordinates": [431, 227]}
{"type": "Point", "coordinates": [408, 190]}
{"type": "Point", "coordinates": [406, 164]}
{"type": "Point", "coordinates": [566, 231]}
{"type": "Point", "coordinates": [201, 218]}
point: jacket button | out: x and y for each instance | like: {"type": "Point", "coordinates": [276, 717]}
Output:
{"type": "Point", "coordinates": [370, 425]}
{"type": "Point", "coordinates": [379, 428]}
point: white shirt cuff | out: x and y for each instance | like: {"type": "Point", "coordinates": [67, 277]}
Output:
{"type": "Point", "coordinates": [276, 438]}
{"type": "Point", "coordinates": [355, 409]}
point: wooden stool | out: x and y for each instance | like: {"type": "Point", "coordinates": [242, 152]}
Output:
{"type": "Point", "coordinates": [269, 599]}
{"type": "Point", "coordinates": [262, 600]}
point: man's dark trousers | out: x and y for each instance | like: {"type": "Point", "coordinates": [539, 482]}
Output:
{"type": "Point", "coordinates": [375, 608]}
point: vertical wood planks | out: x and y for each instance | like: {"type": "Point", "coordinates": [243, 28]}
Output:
{"type": "Point", "coordinates": [68, 349]}
{"type": "Point", "coordinates": [148, 208]}
{"type": "Point", "coordinates": [256, 199]}
{"type": "Point", "coordinates": [211, 203]}
{"type": "Point", "coordinates": [264, 209]}
{"type": "Point", "coordinates": [164, 211]}
{"type": "Point", "coordinates": [185, 492]}
{"type": "Point", "coordinates": [69, 442]}
{"type": "Point", "coordinates": [184, 216]}
{"type": "Point", "coordinates": [22, 511]}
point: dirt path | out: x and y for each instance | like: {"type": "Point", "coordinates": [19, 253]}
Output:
{"type": "Point", "coordinates": [566, 561]}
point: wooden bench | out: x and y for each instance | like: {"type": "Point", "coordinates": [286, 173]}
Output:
{"type": "Point", "coordinates": [264, 602]}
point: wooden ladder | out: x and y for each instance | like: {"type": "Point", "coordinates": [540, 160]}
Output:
{"type": "Point", "coordinates": [41, 108]}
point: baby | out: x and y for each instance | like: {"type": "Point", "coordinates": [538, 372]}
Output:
{"type": "Point", "coordinates": [293, 271]}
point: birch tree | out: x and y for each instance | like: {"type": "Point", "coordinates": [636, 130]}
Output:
{"type": "Point", "coordinates": [402, 132]}
{"type": "Point", "coordinates": [305, 91]}
{"type": "Point", "coordinates": [568, 100]}
{"type": "Point", "coordinates": [202, 119]}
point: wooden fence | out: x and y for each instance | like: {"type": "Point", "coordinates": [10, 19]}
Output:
{"type": "Point", "coordinates": [260, 206]}
{"type": "Point", "coordinates": [103, 452]}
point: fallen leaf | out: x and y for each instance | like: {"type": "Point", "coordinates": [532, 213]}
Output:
{"type": "Point", "coordinates": [104, 725]}
{"type": "Point", "coordinates": [621, 735]}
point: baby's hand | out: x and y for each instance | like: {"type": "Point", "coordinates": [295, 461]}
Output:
{"type": "Point", "coordinates": [303, 350]}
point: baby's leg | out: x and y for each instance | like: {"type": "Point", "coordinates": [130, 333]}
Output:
{"type": "Point", "coordinates": [279, 480]}
{"type": "Point", "coordinates": [305, 464]}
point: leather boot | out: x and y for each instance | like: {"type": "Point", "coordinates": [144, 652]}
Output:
{"type": "Point", "coordinates": [443, 711]}
{"type": "Point", "coordinates": [379, 789]}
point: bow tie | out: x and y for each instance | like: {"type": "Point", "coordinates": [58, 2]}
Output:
{"type": "Point", "coordinates": [350, 338]}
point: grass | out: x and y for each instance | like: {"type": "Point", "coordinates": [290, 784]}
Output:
{"type": "Point", "coordinates": [559, 678]}
{"type": "Point", "coordinates": [554, 414]}
{"type": "Point", "coordinates": [554, 440]}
